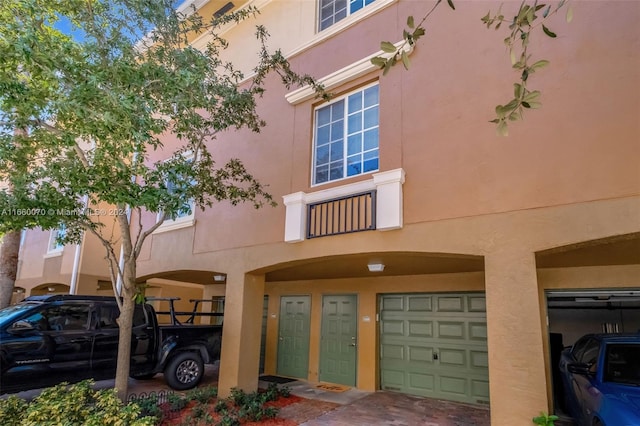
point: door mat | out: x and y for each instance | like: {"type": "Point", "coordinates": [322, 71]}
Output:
{"type": "Point", "coordinates": [331, 387]}
{"type": "Point", "coordinates": [276, 379]}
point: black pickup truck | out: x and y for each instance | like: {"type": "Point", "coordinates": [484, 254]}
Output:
{"type": "Point", "coordinates": [45, 340]}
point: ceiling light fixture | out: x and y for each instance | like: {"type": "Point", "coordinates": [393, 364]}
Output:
{"type": "Point", "coordinates": [219, 278]}
{"type": "Point", "coordinates": [376, 267]}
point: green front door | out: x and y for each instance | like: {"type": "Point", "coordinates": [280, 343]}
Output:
{"type": "Point", "coordinates": [338, 340]}
{"type": "Point", "coordinates": [293, 336]}
{"type": "Point", "coordinates": [435, 345]}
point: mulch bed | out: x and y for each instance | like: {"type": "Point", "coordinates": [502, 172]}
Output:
{"type": "Point", "coordinates": [292, 411]}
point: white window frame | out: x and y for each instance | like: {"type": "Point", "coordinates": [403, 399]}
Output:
{"type": "Point", "coordinates": [181, 221]}
{"type": "Point", "coordinates": [349, 12]}
{"type": "Point", "coordinates": [54, 248]}
{"type": "Point", "coordinates": [345, 136]}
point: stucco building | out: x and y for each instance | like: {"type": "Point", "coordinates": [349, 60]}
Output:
{"type": "Point", "coordinates": [413, 249]}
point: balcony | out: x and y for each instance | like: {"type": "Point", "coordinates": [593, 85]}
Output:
{"type": "Point", "coordinates": [374, 204]}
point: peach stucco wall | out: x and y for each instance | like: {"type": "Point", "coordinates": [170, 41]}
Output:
{"type": "Point", "coordinates": [579, 147]}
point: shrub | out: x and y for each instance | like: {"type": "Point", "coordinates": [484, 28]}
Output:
{"type": "Point", "coordinates": [203, 395]}
{"type": "Point", "coordinates": [66, 404]}
{"type": "Point", "coordinates": [545, 419]}
{"type": "Point", "coordinates": [11, 410]}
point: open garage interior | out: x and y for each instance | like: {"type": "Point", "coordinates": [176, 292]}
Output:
{"type": "Point", "coordinates": [572, 314]}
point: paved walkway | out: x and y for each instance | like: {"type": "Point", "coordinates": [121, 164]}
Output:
{"type": "Point", "coordinates": [350, 408]}
{"type": "Point", "coordinates": [396, 409]}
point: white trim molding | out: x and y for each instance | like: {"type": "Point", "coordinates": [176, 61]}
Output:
{"type": "Point", "coordinates": [341, 25]}
{"type": "Point", "coordinates": [344, 75]}
{"type": "Point", "coordinates": [388, 203]}
{"type": "Point", "coordinates": [170, 225]}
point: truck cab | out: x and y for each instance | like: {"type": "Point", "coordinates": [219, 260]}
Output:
{"type": "Point", "coordinates": [49, 339]}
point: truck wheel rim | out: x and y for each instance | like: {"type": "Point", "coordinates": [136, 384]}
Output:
{"type": "Point", "coordinates": [188, 371]}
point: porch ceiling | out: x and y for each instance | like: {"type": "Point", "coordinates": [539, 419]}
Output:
{"type": "Point", "coordinates": [620, 250]}
{"type": "Point", "coordinates": [355, 266]}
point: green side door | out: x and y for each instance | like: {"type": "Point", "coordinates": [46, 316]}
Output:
{"type": "Point", "coordinates": [339, 339]}
{"type": "Point", "coordinates": [435, 345]}
{"type": "Point", "coordinates": [293, 336]}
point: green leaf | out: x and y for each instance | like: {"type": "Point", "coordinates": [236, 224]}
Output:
{"type": "Point", "coordinates": [419, 32]}
{"type": "Point", "coordinates": [548, 32]}
{"type": "Point", "coordinates": [532, 96]}
{"type": "Point", "coordinates": [410, 22]}
{"type": "Point", "coordinates": [378, 61]}
{"type": "Point", "coordinates": [539, 64]}
{"type": "Point", "coordinates": [517, 90]}
{"type": "Point", "coordinates": [502, 129]}
{"type": "Point", "coordinates": [387, 67]}
{"type": "Point", "coordinates": [388, 47]}
{"type": "Point", "coordinates": [569, 14]}
{"type": "Point", "coordinates": [450, 2]}
{"type": "Point", "coordinates": [405, 60]}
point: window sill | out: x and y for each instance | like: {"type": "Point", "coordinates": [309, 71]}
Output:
{"type": "Point", "coordinates": [55, 253]}
{"type": "Point", "coordinates": [170, 225]}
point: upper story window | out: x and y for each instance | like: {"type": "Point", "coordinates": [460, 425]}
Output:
{"type": "Point", "coordinates": [346, 136]}
{"type": "Point", "coordinates": [332, 11]}
{"type": "Point", "coordinates": [185, 214]}
{"type": "Point", "coordinates": [54, 245]}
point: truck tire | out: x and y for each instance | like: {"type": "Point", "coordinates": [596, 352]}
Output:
{"type": "Point", "coordinates": [184, 371]}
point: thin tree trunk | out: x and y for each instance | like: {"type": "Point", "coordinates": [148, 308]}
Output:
{"type": "Point", "coordinates": [9, 251]}
{"type": "Point", "coordinates": [125, 323]}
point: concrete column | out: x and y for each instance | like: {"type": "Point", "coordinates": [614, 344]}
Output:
{"type": "Point", "coordinates": [241, 334]}
{"type": "Point", "coordinates": [517, 379]}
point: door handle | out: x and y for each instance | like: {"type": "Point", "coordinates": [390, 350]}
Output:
{"type": "Point", "coordinates": [353, 344]}
{"type": "Point", "coordinates": [281, 338]}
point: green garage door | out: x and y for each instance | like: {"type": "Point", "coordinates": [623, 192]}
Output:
{"type": "Point", "coordinates": [435, 345]}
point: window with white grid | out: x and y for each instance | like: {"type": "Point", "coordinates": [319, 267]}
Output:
{"type": "Point", "coordinates": [332, 11]}
{"type": "Point", "coordinates": [346, 136]}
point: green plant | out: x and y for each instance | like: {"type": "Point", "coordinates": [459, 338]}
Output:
{"type": "Point", "coordinates": [545, 419]}
{"type": "Point", "coordinates": [199, 410]}
{"type": "Point", "coordinates": [204, 394]}
{"type": "Point", "coordinates": [149, 407]}
{"type": "Point", "coordinates": [238, 397]}
{"type": "Point", "coordinates": [176, 402]}
{"type": "Point", "coordinates": [284, 391]}
{"type": "Point", "coordinates": [66, 404]}
{"type": "Point", "coordinates": [221, 406]}
{"type": "Point", "coordinates": [11, 410]}
{"type": "Point", "coordinates": [229, 420]}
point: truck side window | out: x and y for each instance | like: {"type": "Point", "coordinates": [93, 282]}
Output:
{"type": "Point", "coordinates": [38, 321]}
{"type": "Point", "coordinates": [68, 317]}
{"type": "Point", "coordinates": [107, 317]}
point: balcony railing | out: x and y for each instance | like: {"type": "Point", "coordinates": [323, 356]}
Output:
{"type": "Point", "coordinates": [344, 215]}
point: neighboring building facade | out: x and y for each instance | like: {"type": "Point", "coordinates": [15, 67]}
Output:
{"type": "Point", "coordinates": [475, 254]}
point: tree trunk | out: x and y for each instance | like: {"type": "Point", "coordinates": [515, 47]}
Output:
{"type": "Point", "coordinates": [9, 251]}
{"type": "Point", "coordinates": [125, 322]}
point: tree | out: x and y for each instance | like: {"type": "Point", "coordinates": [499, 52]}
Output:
{"type": "Point", "coordinates": [9, 249]}
{"type": "Point", "coordinates": [92, 103]}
